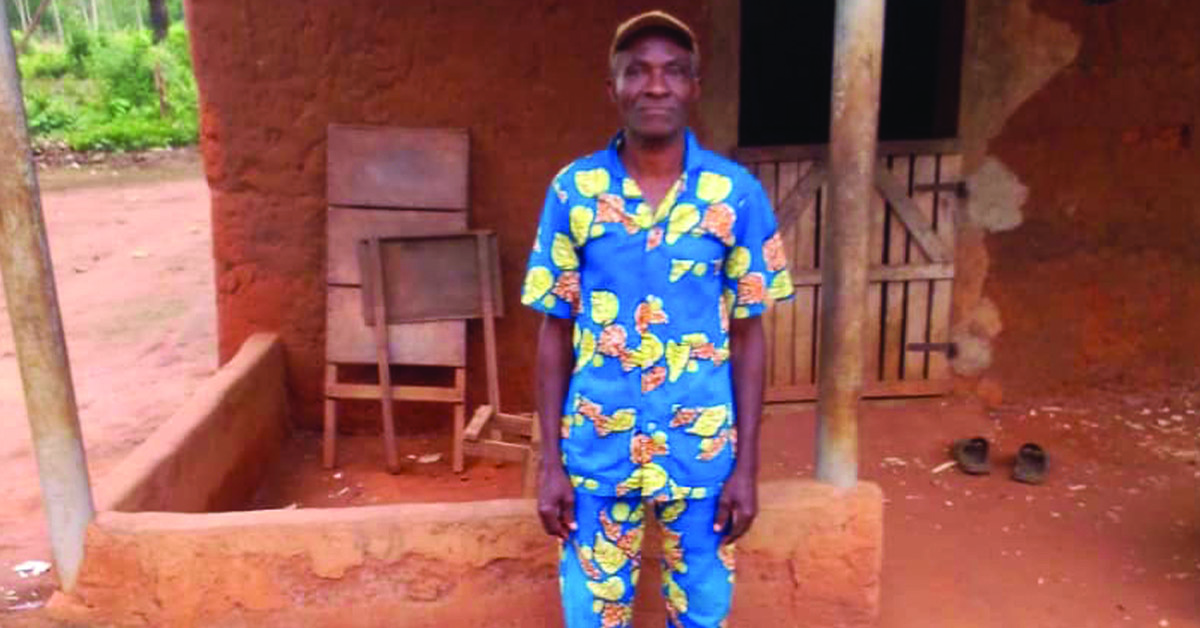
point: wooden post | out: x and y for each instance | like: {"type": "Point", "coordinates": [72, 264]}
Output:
{"type": "Point", "coordinates": [383, 359]}
{"type": "Point", "coordinates": [857, 64]}
{"type": "Point", "coordinates": [38, 332]}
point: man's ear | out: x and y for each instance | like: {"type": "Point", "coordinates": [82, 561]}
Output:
{"type": "Point", "coordinates": [610, 85]}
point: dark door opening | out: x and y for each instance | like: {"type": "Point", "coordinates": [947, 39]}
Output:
{"type": "Point", "coordinates": [787, 58]}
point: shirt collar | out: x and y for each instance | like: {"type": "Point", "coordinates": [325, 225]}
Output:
{"type": "Point", "coordinates": [691, 153]}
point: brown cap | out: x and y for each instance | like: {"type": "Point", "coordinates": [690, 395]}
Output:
{"type": "Point", "coordinates": [649, 19]}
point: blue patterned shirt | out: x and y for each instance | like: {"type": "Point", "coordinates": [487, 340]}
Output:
{"type": "Point", "coordinates": [650, 407]}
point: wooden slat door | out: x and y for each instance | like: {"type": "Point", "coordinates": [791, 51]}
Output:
{"type": "Point", "coordinates": [911, 272]}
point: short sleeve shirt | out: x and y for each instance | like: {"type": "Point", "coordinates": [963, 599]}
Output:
{"type": "Point", "coordinates": [650, 407]}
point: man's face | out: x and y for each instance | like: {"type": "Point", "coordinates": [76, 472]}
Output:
{"type": "Point", "coordinates": [653, 83]}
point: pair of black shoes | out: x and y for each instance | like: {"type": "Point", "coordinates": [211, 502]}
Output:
{"type": "Point", "coordinates": [973, 457]}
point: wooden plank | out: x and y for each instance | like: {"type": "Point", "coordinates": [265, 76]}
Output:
{"type": "Point", "coordinates": [877, 243]}
{"type": "Point", "coordinates": [345, 227]}
{"type": "Point", "coordinates": [348, 340]}
{"type": "Point", "coordinates": [878, 274]}
{"type": "Point", "coordinates": [820, 152]}
{"type": "Point", "coordinates": [485, 249]}
{"type": "Point", "coordinates": [798, 194]}
{"type": "Point", "coordinates": [534, 462]}
{"type": "Point", "coordinates": [784, 338]}
{"type": "Point", "coordinates": [948, 205]}
{"type": "Point", "coordinates": [497, 280]}
{"type": "Point", "coordinates": [917, 388]}
{"type": "Point", "coordinates": [371, 166]}
{"type": "Point", "coordinates": [916, 316]}
{"type": "Point", "coordinates": [399, 393]}
{"type": "Point", "coordinates": [374, 267]}
{"type": "Point", "coordinates": [872, 390]}
{"type": "Point", "coordinates": [458, 445]}
{"type": "Point", "coordinates": [329, 445]}
{"type": "Point", "coordinates": [434, 277]}
{"type": "Point", "coordinates": [894, 291]}
{"type": "Point", "coordinates": [506, 452]}
{"type": "Point", "coordinates": [802, 257]}
{"type": "Point", "coordinates": [768, 176]}
{"type": "Point", "coordinates": [896, 192]}
{"type": "Point", "coordinates": [819, 302]}
{"type": "Point", "coordinates": [515, 424]}
{"type": "Point", "coordinates": [783, 394]}
{"type": "Point", "coordinates": [479, 420]}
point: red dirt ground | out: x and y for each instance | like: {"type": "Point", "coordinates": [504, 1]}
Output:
{"type": "Point", "coordinates": [1113, 539]}
{"type": "Point", "coordinates": [133, 265]}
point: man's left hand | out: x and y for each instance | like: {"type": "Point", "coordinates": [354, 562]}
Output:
{"type": "Point", "coordinates": [738, 506]}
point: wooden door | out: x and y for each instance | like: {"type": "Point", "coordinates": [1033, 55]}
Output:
{"type": "Point", "coordinates": [917, 195]}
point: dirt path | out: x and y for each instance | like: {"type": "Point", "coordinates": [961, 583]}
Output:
{"type": "Point", "coordinates": [133, 265]}
{"type": "Point", "coordinates": [1112, 540]}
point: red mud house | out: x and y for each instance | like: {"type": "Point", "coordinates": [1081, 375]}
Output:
{"type": "Point", "coordinates": [1073, 124]}
{"type": "Point", "coordinates": [1032, 229]}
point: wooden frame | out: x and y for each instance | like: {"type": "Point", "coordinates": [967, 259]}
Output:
{"type": "Point", "coordinates": [384, 182]}
{"type": "Point", "coordinates": [505, 428]}
{"type": "Point", "coordinates": [377, 267]}
{"type": "Point", "coordinates": [918, 194]}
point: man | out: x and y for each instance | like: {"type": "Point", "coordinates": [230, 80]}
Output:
{"type": "Point", "coordinates": [653, 261]}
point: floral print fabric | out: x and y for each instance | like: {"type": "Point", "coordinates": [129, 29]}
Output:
{"type": "Point", "coordinates": [652, 289]}
{"type": "Point", "coordinates": [601, 562]}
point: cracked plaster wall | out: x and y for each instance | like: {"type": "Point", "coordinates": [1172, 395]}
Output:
{"type": "Point", "coordinates": [1076, 255]}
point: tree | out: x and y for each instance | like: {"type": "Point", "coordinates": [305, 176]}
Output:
{"type": "Point", "coordinates": [57, 21]}
{"type": "Point", "coordinates": [23, 12]}
{"type": "Point", "coordinates": [159, 19]}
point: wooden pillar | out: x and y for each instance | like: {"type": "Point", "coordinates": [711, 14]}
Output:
{"type": "Point", "coordinates": [854, 124]}
{"type": "Point", "coordinates": [38, 332]}
{"type": "Point", "coordinates": [720, 67]}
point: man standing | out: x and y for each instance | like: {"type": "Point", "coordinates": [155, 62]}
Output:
{"type": "Point", "coordinates": [653, 262]}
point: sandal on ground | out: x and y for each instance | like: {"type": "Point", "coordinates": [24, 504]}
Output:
{"type": "Point", "coordinates": [971, 454]}
{"type": "Point", "coordinates": [1031, 464]}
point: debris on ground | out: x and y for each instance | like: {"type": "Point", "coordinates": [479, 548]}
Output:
{"type": "Point", "coordinates": [32, 568]}
{"type": "Point", "coordinates": [942, 467]}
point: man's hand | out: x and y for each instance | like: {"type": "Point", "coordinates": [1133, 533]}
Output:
{"type": "Point", "coordinates": [556, 360]}
{"type": "Point", "coordinates": [739, 499]}
{"type": "Point", "coordinates": [556, 501]}
{"type": "Point", "coordinates": [738, 506]}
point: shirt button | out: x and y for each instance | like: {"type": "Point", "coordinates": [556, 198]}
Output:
{"type": "Point", "coordinates": [652, 426]}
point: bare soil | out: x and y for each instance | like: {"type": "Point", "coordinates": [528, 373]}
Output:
{"type": "Point", "coordinates": [133, 267]}
{"type": "Point", "coordinates": [1112, 538]}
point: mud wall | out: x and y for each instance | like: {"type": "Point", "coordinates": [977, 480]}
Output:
{"type": "Point", "coordinates": [812, 559]}
{"type": "Point", "coordinates": [1079, 259]}
{"type": "Point", "coordinates": [525, 77]}
{"type": "Point", "coordinates": [214, 452]}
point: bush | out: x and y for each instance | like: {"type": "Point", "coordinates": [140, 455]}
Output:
{"type": "Point", "coordinates": [125, 69]}
{"type": "Point", "coordinates": [79, 48]}
{"type": "Point", "coordinates": [46, 114]}
{"type": "Point", "coordinates": [132, 133]}
{"type": "Point", "coordinates": [103, 92]}
{"type": "Point", "coordinates": [45, 64]}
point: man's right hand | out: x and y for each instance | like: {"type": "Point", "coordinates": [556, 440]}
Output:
{"type": "Point", "coordinates": [556, 501]}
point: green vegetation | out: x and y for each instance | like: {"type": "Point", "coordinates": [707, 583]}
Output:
{"type": "Point", "coordinates": [97, 89]}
